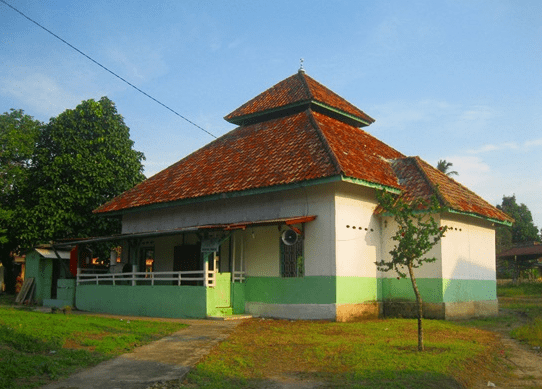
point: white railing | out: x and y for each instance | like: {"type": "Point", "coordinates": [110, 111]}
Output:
{"type": "Point", "coordinates": [238, 276]}
{"type": "Point", "coordinates": [207, 278]}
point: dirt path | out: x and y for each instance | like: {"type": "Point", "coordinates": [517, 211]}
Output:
{"type": "Point", "coordinates": [523, 362]}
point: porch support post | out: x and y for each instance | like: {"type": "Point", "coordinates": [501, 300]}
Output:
{"type": "Point", "coordinates": [233, 258]}
{"type": "Point", "coordinates": [134, 256]}
{"type": "Point", "coordinates": [206, 270]}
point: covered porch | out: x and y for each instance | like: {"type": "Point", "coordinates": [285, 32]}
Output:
{"type": "Point", "coordinates": [192, 272]}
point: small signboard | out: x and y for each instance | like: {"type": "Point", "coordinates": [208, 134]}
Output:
{"type": "Point", "coordinates": [210, 245]}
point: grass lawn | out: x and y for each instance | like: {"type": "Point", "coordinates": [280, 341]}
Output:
{"type": "Point", "coordinates": [525, 300]}
{"type": "Point", "coordinates": [269, 353]}
{"type": "Point", "coordinates": [371, 354]}
{"type": "Point", "coordinates": [374, 354]}
{"type": "Point", "coordinates": [36, 348]}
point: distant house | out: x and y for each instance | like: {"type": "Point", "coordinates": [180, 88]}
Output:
{"type": "Point", "coordinates": [276, 218]}
{"type": "Point", "coordinates": [523, 256]}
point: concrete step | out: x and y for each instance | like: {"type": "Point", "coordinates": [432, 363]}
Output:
{"type": "Point", "coordinates": [230, 317]}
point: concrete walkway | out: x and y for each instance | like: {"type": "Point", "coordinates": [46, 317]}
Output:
{"type": "Point", "coordinates": [170, 358]}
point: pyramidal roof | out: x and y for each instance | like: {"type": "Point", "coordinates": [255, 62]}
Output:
{"type": "Point", "coordinates": [296, 132]}
{"type": "Point", "coordinates": [296, 93]}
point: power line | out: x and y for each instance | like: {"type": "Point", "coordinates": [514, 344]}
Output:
{"type": "Point", "coordinates": [110, 71]}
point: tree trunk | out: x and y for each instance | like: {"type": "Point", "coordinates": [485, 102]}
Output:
{"type": "Point", "coordinates": [9, 272]}
{"type": "Point", "coordinates": [419, 305]}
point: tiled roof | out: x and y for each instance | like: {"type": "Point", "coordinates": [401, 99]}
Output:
{"type": "Point", "coordinates": [421, 180]}
{"type": "Point", "coordinates": [298, 145]}
{"type": "Point", "coordinates": [298, 90]}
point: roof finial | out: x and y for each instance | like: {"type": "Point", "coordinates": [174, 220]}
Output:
{"type": "Point", "coordinates": [301, 70]}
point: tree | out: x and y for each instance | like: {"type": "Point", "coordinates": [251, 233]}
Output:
{"type": "Point", "coordinates": [444, 166]}
{"type": "Point", "coordinates": [84, 157]}
{"type": "Point", "coordinates": [416, 235]}
{"type": "Point", "coordinates": [523, 230]}
{"type": "Point", "coordinates": [18, 135]}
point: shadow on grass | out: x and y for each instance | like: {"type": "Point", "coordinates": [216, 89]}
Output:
{"type": "Point", "coordinates": [386, 379]}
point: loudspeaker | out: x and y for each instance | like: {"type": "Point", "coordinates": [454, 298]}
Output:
{"type": "Point", "coordinates": [289, 237]}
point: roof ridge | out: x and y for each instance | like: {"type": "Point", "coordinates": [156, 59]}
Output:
{"type": "Point", "coordinates": [435, 188]}
{"type": "Point", "coordinates": [325, 142]}
{"type": "Point", "coordinates": [306, 84]}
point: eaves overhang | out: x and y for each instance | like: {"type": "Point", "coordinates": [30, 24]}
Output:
{"type": "Point", "coordinates": [250, 192]}
{"type": "Point", "coordinates": [457, 212]}
{"type": "Point", "coordinates": [476, 215]}
{"type": "Point", "coordinates": [238, 225]}
{"type": "Point", "coordinates": [297, 107]}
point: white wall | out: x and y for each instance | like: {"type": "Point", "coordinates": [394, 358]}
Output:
{"type": "Point", "coordinates": [295, 202]}
{"type": "Point", "coordinates": [357, 231]}
{"type": "Point", "coordinates": [261, 253]}
{"type": "Point", "coordinates": [427, 270]}
{"type": "Point", "coordinates": [468, 248]}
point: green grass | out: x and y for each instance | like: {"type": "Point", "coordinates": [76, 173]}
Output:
{"type": "Point", "coordinates": [523, 289]}
{"type": "Point", "coordinates": [524, 301]}
{"type": "Point", "coordinates": [372, 354]}
{"type": "Point", "coordinates": [36, 348]}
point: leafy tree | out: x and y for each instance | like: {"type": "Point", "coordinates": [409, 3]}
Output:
{"type": "Point", "coordinates": [444, 167]}
{"type": "Point", "coordinates": [522, 231]}
{"type": "Point", "coordinates": [84, 157]}
{"type": "Point", "coordinates": [18, 135]}
{"type": "Point", "coordinates": [416, 235]}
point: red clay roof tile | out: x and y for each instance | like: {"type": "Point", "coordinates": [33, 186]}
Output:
{"type": "Point", "coordinates": [294, 147]}
{"type": "Point", "coordinates": [421, 180]}
{"type": "Point", "coordinates": [295, 90]}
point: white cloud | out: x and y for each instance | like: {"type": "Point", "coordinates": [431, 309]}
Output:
{"type": "Point", "coordinates": [492, 147]}
{"type": "Point", "coordinates": [400, 114]}
{"type": "Point", "coordinates": [506, 146]}
{"type": "Point", "coordinates": [535, 142]}
{"type": "Point", "coordinates": [141, 61]}
{"type": "Point", "coordinates": [40, 92]}
{"type": "Point", "coordinates": [472, 170]}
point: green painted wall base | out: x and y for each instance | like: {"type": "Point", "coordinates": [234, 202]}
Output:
{"type": "Point", "coordinates": [143, 300]}
{"type": "Point", "coordinates": [238, 298]}
{"type": "Point", "coordinates": [442, 311]}
{"type": "Point", "coordinates": [56, 303]}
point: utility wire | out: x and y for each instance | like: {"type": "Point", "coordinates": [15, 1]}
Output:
{"type": "Point", "coordinates": [110, 71]}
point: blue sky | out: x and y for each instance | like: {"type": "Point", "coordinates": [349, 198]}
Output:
{"type": "Point", "coordinates": [455, 80]}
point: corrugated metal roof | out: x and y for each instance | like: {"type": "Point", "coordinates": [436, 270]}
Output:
{"type": "Point", "coordinates": [238, 225]}
{"type": "Point", "coordinates": [49, 253]}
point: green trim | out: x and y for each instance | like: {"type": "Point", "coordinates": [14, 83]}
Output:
{"type": "Point", "coordinates": [240, 120]}
{"type": "Point", "coordinates": [369, 184]}
{"type": "Point", "coordinates": [503, 222]}
{"type": "Point", "coordinates": [228, 195]}
{"type": "Point", "coordinates": [342, 113]}
{"type": "Point", "coordinates": [256, 191]}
